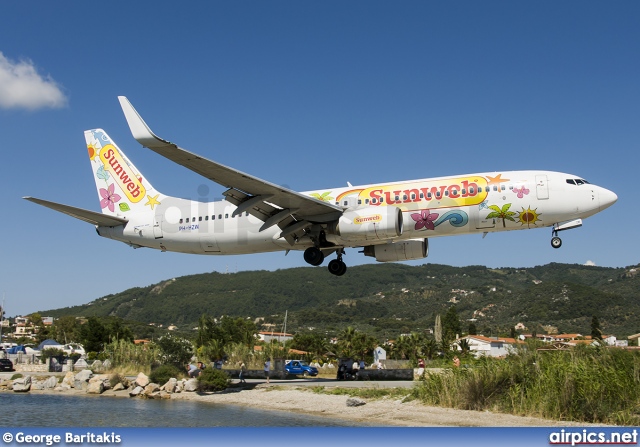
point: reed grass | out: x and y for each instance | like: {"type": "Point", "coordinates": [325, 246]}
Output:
{"type": "Point", "coordinates": [584, 384]}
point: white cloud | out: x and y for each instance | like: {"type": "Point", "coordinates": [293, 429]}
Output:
{"type": "Point", "coordinates": [590, 263]}
{"type": "Point", "coordinates": [21, 87]}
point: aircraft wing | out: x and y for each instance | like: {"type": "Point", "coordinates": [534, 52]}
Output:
{"type": "Point", "coordinates": [91, 217]}
{"type": "Point", "coordinates": [271, 203]}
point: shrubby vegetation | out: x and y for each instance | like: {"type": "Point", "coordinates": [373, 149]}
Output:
{"type": "Point", "coordinates": [212, 379]}
{"type": "Point", "coordinates": [584, 384]}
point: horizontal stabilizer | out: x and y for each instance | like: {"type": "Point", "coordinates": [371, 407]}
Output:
{"type": "Point", "coordinates": [91, 217]}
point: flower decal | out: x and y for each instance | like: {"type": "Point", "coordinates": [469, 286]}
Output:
{"type": "Point", "coordinates": [425, 219]}
{"type": "Point", "coordinates": [109, 198]}
{"type": "Point", "coordinates": [521, 192]}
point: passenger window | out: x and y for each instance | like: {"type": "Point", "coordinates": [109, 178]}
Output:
{"type": "Point", "coordinates": [359, 201]}
{"type": "Point", "coordinates": [213, 217]}
{"type": "Point", "coordinates": [404, 197]}
{"type": "Point", "coordinates": [502, 187]}
{"type": "Point", "coordinates": [464, 191]}
{"type": "Point", "coordinates": [366, 201]}
{"type": "Point", "coordinates": [471, 190]}
{"type": "Point", "coordinates": [446, 193]}
{"type": "Point", "coordinates": [345, 203]}
{"type": "Point", "coordinates": [187, 220]}
{"type": "Point", "coordinates": [422, 195]}
{"type": "Point", "coordinates": [219, 216]}
{"type": "Point", "coordinates": [181, 220]}
{"type": "Point", "coordinates": [511, 187]}
{"type": "Point", "coordinates": [200, 219]}
{"type": "Point", "coordinates": [226, 216]}
{"type": "Point", "coordinates": [206, 217]}
{"type": "Point", "coordinates": [495, 188]}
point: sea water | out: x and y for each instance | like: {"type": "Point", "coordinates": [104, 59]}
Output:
{"type": "Point", "coordinates": [51, 410]}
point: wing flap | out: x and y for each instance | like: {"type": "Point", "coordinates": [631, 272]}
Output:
{"type": "Point", "coordinates": [91, 217]}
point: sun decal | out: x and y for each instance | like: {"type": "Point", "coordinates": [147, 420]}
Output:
{"type": "Point", "coordinates": [529, 217]}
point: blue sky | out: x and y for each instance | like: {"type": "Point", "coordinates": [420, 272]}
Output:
{"type": "Point", "coordinates": [310, 95]}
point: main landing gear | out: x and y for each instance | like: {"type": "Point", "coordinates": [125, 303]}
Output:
{"type": "Point", "coordinates": [315, 257]}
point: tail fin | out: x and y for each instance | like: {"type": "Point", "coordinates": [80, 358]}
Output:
{"type": "Point", "coordinates": [121, 188]}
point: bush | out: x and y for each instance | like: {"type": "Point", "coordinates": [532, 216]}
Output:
{"type": "Point", "coordinates": [163, 373]}
{"type": "Point", "coordinates": [212, 379]}
{"type": "Point", "coordinates": [116, 379]}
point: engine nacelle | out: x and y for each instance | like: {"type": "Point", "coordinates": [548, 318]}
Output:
{"type": "Point", "coordinates": [370, 224]}
{"type": "Point", "coordinates": [399, 251]}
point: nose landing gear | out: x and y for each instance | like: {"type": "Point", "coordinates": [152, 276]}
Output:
{"type": "Point", "coordinates": [556, 242]}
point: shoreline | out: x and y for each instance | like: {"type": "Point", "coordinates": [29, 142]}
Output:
{"type": "Point", "coordinates": [383, 412]}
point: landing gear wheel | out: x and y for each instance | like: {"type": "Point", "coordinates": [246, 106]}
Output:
{"type": "Point", "coordinates": [313, 256]}
{"type": "Point", "coordinates": [337, 267]}
{"type": "Point", "coordinates": [556, 242]}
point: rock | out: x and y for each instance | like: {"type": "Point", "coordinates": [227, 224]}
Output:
{"type": "Point", "coordinates": [152, 387]}
{"type": "Point", "coordinates": [118, 387]}
{"type": "Point", "coordinates": [95, 387]}
{"type": "Point", "coordinates": [22, 385]}
{"type": "Point", "coordinates": [81, 380]}
{"type": "Point", "coordinates": [65, 387]}
{"type": "Point", "coordinates": [355, 402]}
{"type": "Point", "coordinates": [96, 365]}
{"type": "Point", "coordinates": [68, 379]}
{"type": "Point", "coordinates": [142, 380]}
{"type": "Point", "coordinates": [37, 385]}
{"type": "Point", "coordinates": [170, 386]}
{"type": "Point", "coordinates": [51, 383]}
{"type": "Point", "coordinates": [80, 364]}
{"type": "Point", "coordinates": [136, 391]}
{"type": "Point", "coordinates": [191, 385]}
{"type": "Point", "coordinates": [165, 395]}
{"type": "Point", "coordinates": [104, 378]}
{"type": "Point", "coordinates": [106, 364]}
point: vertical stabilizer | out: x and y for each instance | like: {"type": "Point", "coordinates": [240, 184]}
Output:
{"type": "Point", "coordinates": [121, 188]}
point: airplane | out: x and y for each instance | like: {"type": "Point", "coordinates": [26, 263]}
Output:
{"type": "Point", "coordinates": [389, 221]}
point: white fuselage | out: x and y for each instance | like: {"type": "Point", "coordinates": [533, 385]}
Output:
{"type": "Point", "coordinates": [445, 206]}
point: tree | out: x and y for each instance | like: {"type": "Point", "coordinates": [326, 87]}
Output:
{"type": "Point", "coordinates": [596, 333]}
{"type": "Point", "coordinates": [473, 330]}
{"type": "Point", "coordinates": [451, 324]}
{"type": "Point", "coordinates": [174, 350]}
{"type": "Point", "coordinates": [93, 335]}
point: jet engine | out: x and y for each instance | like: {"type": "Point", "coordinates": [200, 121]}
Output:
{"type": "Point", "coordinates": [370, 224]}
{"type": "Point", "coordinates": [399, 251]}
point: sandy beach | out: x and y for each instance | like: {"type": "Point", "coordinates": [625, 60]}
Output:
{"type": "Point", "coordinates": [378, 412]}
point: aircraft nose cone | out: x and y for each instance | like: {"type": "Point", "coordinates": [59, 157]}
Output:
{"type": "Point", "coordinates": [607, 198]}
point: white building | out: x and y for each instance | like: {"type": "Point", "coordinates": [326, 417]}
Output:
{"type": "Point", "coordinates": [277, 336]}
{"type": "Point", "coordinates": [492, 347]}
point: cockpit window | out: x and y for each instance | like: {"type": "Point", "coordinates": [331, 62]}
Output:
{"type": "Point", "coordinates": [571, 181]}
{"type": "Point", "coordinates": [579, 182]}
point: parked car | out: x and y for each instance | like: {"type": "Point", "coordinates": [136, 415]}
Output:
{"type": "Point", "coordinates": [298, 367]}
{"type": "Point", "coordinates": [73, 348]}
{"type": "Point", "coordinates": [6, 365]}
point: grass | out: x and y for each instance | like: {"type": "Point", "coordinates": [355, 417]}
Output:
{"type": "Point", "coordinates": [366, 393]}
{"type": "Point", "coordinates": [585, 385]}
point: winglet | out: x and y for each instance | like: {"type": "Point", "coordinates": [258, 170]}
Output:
{"type": "Point", "coordinates": [139, 129]}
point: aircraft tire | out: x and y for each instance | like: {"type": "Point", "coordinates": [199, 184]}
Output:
{"type": "Point", "coordinates": [313, 256]}
{"type": "Point", "coordinates": [337, 268]}
{"type": "Point", "coordinates": [556, 242]}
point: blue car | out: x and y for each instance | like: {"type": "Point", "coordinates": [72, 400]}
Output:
{"type": "Point", "coordinates": [298, 367]}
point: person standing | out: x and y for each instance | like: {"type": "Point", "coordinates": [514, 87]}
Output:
{"type": "Point", "coordinates": [267, 369]}
{"type": "Point", "coordinates": [243, 370]}
{"type": "Point", "coordinates": [420, 367]}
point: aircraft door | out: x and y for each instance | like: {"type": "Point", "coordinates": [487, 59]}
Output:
{"type": "Point", "coordinates": [479, 217]}
{"type": "Point", "coordinates": [157, 226]}
{"type": "Point", "coordinates": [542, 187]}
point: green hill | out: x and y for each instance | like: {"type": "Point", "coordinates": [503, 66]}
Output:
{"type": "Point", "coordinates": [389, 299]}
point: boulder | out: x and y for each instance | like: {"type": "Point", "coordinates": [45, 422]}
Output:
{"type": "Point", "coordinates": [170, 386]}
{"type": "Point", "coordinates": [22, 385]}
{"type": "Point", "coordinates": [81, 380]}
{"type": "Point", "coordinates": [96, 365]}
{"type": "Point", "coordinates": [142, 380]}
{"type": "Point", "coordinates": [95, 387]}
{"type": "Point", "coordinates": [355, 402]}
{"type": "Point", "coordinates": [191, 385]}
{"type": "Point", "coordinates": [51, 383]}
{"type": "Point", "coordinates": [165, 395]}
{"type": "Point", "coordinates": [68, 379]}
{"type": "Point", "coordinates": [104, 378]}
{"type": "Point", "coordinates": [136, 391]}
{"type": "Point", "coordinates": [118, 387]}
{"type": "Point", "coordinates": [37, 385]}
{"type": "Point", "coordinates": [152, 387]}
{"type": "Point", "coordinates": [80, 364]}
{"type": "Point", "coordinates": [106, 364]}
